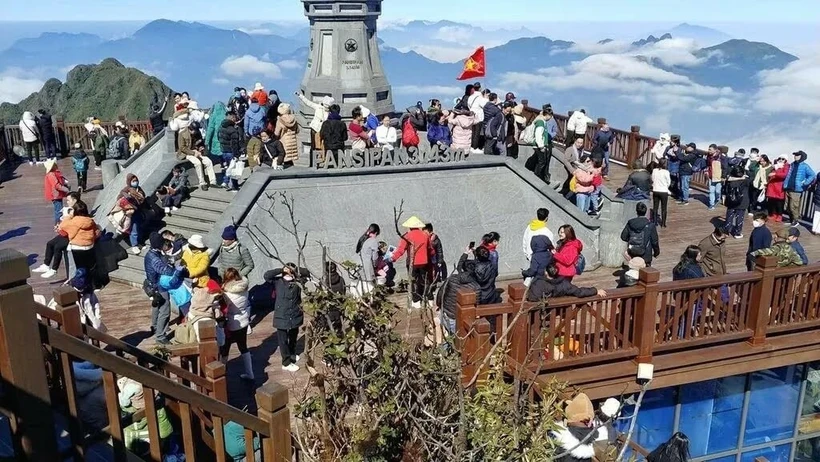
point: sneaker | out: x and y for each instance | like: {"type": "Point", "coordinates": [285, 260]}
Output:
{"type": "Point", "coordinates": [751, 214]}
{"type": "Point", "coordinates": [41, 269]}
{"type": "Point", "coordinates": [203, 187]}
{"type": "Point", "coordinates": [48, 274]}
{"type": "Point", "coordinates": [416, 305]}
{"type": "Point", "coordinates": [739, 236]}
{"type": "Point", "coordinates": [174, 208]}
{"type": "Point", "coordinates": [711, 207]}
{"type": "Point", "coordinates": [297, 358]}
{"type": "Point", "coordinates": [167, 210]}
{"type": "Point", "coordinates": [97, 168]}
{"type": "Point", "coordinates": [31, 162]}
{"type": "Point", "coordinates": [684, 203]}
{"type": "Point", "coordinates": [135, 250]}
{"type": "Point", "coordinates": [291, 368]}
{"type": "Point", "coordinates": [795, 224]}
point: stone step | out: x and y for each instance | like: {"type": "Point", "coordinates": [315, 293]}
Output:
{"type": "Point", "coordinates": [213, 194]}
{"type": "Point", "coordinates": [136, 262]}
{"type": "Point", "coordinates": [194, 213]}
{"type": "Point", "coordinates": [177, 224]}
{"type": "Point", "coordinates": [128, 276]}
{"type": "Point", "coordinates": [203, 204]}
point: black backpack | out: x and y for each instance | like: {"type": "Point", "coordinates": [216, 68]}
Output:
{"type": "Point", "coordinates": [638, 241]}
{"type": "Point", "coordinates": [734, 193]}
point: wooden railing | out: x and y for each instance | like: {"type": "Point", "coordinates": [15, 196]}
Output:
{"type": "Point", "coordinates": [66, 134]}
{"type": "Point", "coordinates": [34, 388]}
{"type": "Point", "coordinates": [641, 321]}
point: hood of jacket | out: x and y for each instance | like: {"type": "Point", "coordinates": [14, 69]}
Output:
{"type": "Point", "coordinates": [28, 117]}
{"type": "Point", "coordinates": [576, 243]}
{"type": "Point", "coordinates": [540, 243]}
{"type": "Point", "coordinates": [570, 439]}
{"type": "Point", "coordinates": [129, 178]}
{"type": "Point", "coordinates": [236, 287]}
{"type": "Point", "coordinates": [254, 108]}
{"type": "Point", "coordinates": [365, 111]}
{"type": "Point", "coordinates": [227, 123]}
{"type": "Point", "coordinates": [536, 224]}
{"type": "Point", "coordinates": [637, 224]}
{"type": "Point", "coordinates": [79, 154]}
{"type": "Point", "coordinates": [665, 138]}
{"type": "Point", "coordinates": [288, 120]}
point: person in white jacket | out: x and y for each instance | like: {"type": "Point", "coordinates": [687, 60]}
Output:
{"type": "Point", "coordinates": [660, 146]}
{"type": "Point", "coordinates": [577, 125]}
{"type": "Point", "coordinates": [31, 137]}
{"type": "Point", "coordinates": [386, 135]}
{"type": "Point", "coordinates": [238, 319]}
{"type": "Point", "coordinates": [537, 227]}
{"type": "Point", "coordinates": [320, 113]}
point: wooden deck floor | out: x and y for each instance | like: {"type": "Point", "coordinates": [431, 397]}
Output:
{"type": "Point", "coordinates": [25, 225]}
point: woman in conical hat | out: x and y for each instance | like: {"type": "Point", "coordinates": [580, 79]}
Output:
{"type": "Point", "coordinates": [419, 260]}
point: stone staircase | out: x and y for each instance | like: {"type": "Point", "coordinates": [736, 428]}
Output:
{"type": "Point", "coordinates": [197, 215]}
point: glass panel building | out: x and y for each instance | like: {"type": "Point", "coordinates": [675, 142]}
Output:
{"type": "Point", "coordinates": [773, 414]}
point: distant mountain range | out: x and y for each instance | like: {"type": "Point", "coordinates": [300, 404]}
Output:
{"type": "Point", "coordinates": [107, 90]}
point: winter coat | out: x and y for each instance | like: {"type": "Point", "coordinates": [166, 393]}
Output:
{"type": "Point", "coordinates": [334, 133]}
{"type": "Point", "coordinates": [270, 151]}
{"type": "Point", "coordinates": [179, 183]}
{"type": "Point", "coordinates": [437, 133]}
{"type": "Point", "coordinates": [603, 139]}
{"type": "Point", "coordinates": [447, 296]}
{"type": "Point", "coordinates": [368, 256]}
{"type": "Point", "coordinates": [47, 127]}
{"type": "Point", "coordinates": [54, 186]}
{"type": "Point", "coordinates": [100, 142]}
{"type": "Point", "coordinates": [535, 228]}
{"type": "Point", "coordinates": [786, 255]}
{"type": "Point", "coordinates": [135, 141]}
{"type": "Point", "coordinates": [254, 151]}
{"type": "Point", "coordinates": [261, 97]}
{"type": "Point", "coordinates": [238, 105]}
{"type": "Point", "coordinates": [566, 257]}
{"type": "Point", "coordinates": [287, 312]}
{"type": "Point", "coordinates": [237, 257]}
{"type": "Point", "coordinates": [494, 122]}
{"type": "Point", "coordinates": [640, 179]}
{"type": "Point", "coordinates": [643, 225]}
{"type": "Point", "coordinates": [569, 439]}
{"type": "Point", "coordinates": [239, 311]}
{"type": "Point", "coordinates": [583, 181]}
{"type": "Point", "coordinates": [761, 178]}
{"type": "Point", "coordinates": [386, 136]}
{"type": "Point", "coordinates": [742, 185]}
{"type": "Point", "coordinates": [320, 115]}
{"type": "Point", "coordinates": [713, 257]}
{"type": "Point", "coordinates": [542, 287]}
{"type": "Point", "coordinates": [775, 189]}
{"type": "Point", "coordinates": [717, 160]}
{"type": "Point", "coordinates": [255, 120]}
{"type": "Point", "coordinates": [29, 128]}
{"type": "Point", "coordinates": [688, 271]}
{"type": "Point", "coordinates": [541, 257]}
{"type": "Point", "coordinates": [217, 116]}
{"type": "Point", "coordinates": [578, 123]}
{"type": "Point", "coordinates": [79, 160]}
{"type": "Point", "coordinates": [423, 249]}
{"type": "Point", "coordinates": [197, 263]}
{"type": "Point", "coordinates": [687, 159]}
{"type": "Point", "coordinates": [816, 195]}
{"type": "Point", "coordinates": [357, 134]}
{"type": "Point", "coordinates": [462, 131]}
{"type": "Point", "coordinates": [672, 152]}
{"type": "Point", "coordinates": [177, 287]}
{"type": "Point", "coordinates": [659, 148]}
{"type": "Point", "coordinates": [800, 175]}
{"type": "Point", "coordinates": [485, 275]}
{"type": "Point", "coordinates": [798, 247]}
{"type": "Point", "coordinates": [661, 180]}
{"type": "Point", "coordinates": [155, 265]}
{"type": "Point", "coordinates": [760, 238]}
{"type": "Point", "coordinates": [230, 138]}
{"type": "Point", "coordinates": [545, 131]}
{"type": "Point", "coordinates": [286, 130]}
{"type": "Point", "coordinates": [81, 232]}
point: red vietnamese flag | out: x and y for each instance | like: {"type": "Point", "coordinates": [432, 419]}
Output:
{"type": "Point", "coordinates": [475, 66]}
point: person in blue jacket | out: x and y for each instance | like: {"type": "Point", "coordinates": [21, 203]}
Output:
{"type": "Point", "coordinates": [794, 236]}
{"type": "Point", "coordinates": [760, 238]}
{"type": "Point", "coordinates": [254, 119]}
{"type": "Point", "coordinates": [438, 133]}
{"type": "Point", "coordinates": [541, 256]}
{"type": "Point", "coordinates": [673, 163]}
{"type": "Point", "coordinates": [798, 179]}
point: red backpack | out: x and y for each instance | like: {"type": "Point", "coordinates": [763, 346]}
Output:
{"type": "Point", "coordinates": [409, 135]}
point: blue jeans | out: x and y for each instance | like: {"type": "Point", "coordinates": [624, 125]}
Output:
{"type": "Point", "coordinates": [226, 159]}
{"type": "Point", "coordinates": [58, 209]}
{"type": "Point", "coordinates": [135, 229]}
{"type": "Point", "coordinates": [582, 201]}
{"type": "Point", "coordinates": [593, 200]}
{"type": "Point", "coordinates": [715, 191]}
{"type": "Point", "coordinates": [447, 323]}
{"type": "Point", "coordinates": [605, 170]}
{"type": "Point", "coordinates": [684, 187]}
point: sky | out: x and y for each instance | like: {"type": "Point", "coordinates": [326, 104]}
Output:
{"type": "Point", "coordinates": [783, 11]}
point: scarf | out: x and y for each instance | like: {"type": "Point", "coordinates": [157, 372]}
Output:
{"type": "Point", "coordinates": [334, 116]}
{"type": "Point", "coordinates": [230, 248]}
{"type": "Point", "coordinates": [490, 246]}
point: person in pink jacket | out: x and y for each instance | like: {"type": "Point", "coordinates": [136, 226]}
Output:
{"type": "Point", "coordinates": [584, 177]}
{"type": "Point", "coordinates": [461, 124]}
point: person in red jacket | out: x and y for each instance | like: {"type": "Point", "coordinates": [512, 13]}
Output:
{"type": "Point", "coordinates": [567, 252]}
{"type": "Point", "coordinates": [55, 188]}
{"type": "Point", "coordinates": [775, 195]}
{"type": "Point", "coordinates": [419, 259]}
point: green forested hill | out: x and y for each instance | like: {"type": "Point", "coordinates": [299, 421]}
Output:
{"type": "Point", "coordinates": [106, 90]}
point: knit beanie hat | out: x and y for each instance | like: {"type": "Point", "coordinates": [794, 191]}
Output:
{"type": "Point", "coordinates": [156, 240]}
{"type": "Point", "coordinates": [229, 233]}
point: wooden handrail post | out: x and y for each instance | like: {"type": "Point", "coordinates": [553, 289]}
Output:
{"type": "Point", "coordinates": [519, 340]}
{"type": "Point", "coordinates": [466, 342]}
{"type": "Point", "coordinates": [645, 314]}
{"type": "Point", "coordinates": [215, 373]}
{"type": "Point", "coordinates": [66, 299]}
{"type": "Point", "coordinates": [482, 333]}
{"type": "Point", "coordinates": [761, 302]}
{"type": "Point", "coordinates": [208, 348]}
{"type": "Point", "coordinates": [272, 403]}
{"type": "Point", "coordinates": [633, 146]}
{"type": "Point", "coordinates": [22, 368]}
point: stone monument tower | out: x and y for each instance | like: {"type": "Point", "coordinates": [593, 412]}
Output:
{"type": "Point", "coordinates": [344, 60]}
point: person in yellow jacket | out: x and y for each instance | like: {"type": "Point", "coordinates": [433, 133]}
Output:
{"type": "Point", "coordinates": [197, 259]}
{"type": "Point", "coordinates": [135, 141]}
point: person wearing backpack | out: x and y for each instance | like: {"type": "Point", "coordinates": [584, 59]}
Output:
{"type": "Point", "coordinates": [737, 201]}
{"type": "Point", "coordinates": [641, 236]}
{"type": "Point", "coordinates": [545, 131]}
{"type": "Point", "coordinates": [100, 146]}
{"type": "Point", "coordinates": [493, 125]}
{"type": "Point", "coordinates": [117, 146]}
{"type": "Point", "coordinates": [79, 160]}
{"type": "Point", "coordinates": [409, 130]}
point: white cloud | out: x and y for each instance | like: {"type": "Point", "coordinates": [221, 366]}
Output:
{"type": "Point", "coordinates": [794, 89]}
{"type": "Point", "coordinates": [590, 48]}
{"type": "Point", "coordinates": [672, 52]}
{"type": "Point", "coordinates": [248, 65]}
{"type": "Point", "coordinates": [454, 34]}
{"type": "Point", "coordinates": [721, 105]}
{"type": "Point", "coordinates": [778, 139]}
{"type": "Point", "coordinates": [625, 67]}
{"type": "Point", "coordinates": [290, 64]}
{"type": "Point", "coordinates": [16, 85]}
{"type": "Point", "coordinates": [442, 54]}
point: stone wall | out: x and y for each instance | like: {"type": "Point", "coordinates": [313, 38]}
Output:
{"type": "Point", "coordinates": [463, 201]}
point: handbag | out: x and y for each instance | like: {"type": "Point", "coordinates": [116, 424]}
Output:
{"type": "Point", "coordinates": [761, 197]}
